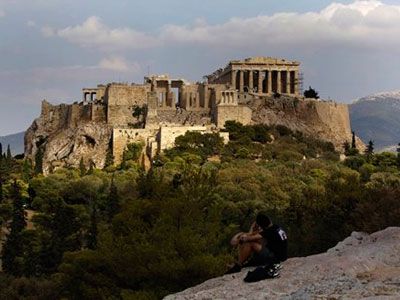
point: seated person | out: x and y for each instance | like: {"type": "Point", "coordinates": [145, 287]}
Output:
{"type": "Point", "coordinates": [265, 244]}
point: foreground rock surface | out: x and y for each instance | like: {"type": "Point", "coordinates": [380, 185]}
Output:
{"type": "Point", "coordinates": [360, 267]}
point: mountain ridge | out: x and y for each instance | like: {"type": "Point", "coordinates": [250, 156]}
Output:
{"type": "Point", "coordinates": [376, 117]}
{"type": "Point", "coordinates": [15, 140]}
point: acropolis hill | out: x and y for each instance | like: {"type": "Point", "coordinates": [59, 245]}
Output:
{"type": "Point", "coordinates": [255, 90]}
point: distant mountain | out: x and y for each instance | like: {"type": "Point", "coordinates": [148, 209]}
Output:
{"type": "Point", "coordinates": [16, 142]}
{"type": "Point", "coordinates": [377, 118]}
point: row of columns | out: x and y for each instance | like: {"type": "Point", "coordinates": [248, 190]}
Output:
{"type": "Point", "coordinates": [228, 97]}
{"type": "Point", "coordinates": [291, 81]}
{"type": "Point", "coordinates": [89, 96]}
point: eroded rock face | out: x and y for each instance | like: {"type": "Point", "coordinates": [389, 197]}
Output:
{"type": "Point", "coordinates": [325, 120]}
{"type": "Point", "coordinates": [65, 135]}
{"type": "Point", "coordinates": [361, 266]}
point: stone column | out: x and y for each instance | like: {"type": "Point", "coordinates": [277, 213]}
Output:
{"type": "Point", "coordinates": [251, 81]}
{"type": "Point", "coordinates": [241, 84]}
{"type": "Point", "coordinates": [296, 83]}
{"type": "Point", "coordinates": [233, 78]}
{"type": "Point", "coordinates": [259, 82]}
{"type": "Point", "coordinates": [269, 87]}
{"type": "Point", "coordinates": [279, 82]}
{"type": "Point", "coordinates": [288, 82]}
{"type": "Point", "coordinates": [197, 100]}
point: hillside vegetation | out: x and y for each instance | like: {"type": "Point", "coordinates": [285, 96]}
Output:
{"type": "Point", "coordinates": [122, 233]}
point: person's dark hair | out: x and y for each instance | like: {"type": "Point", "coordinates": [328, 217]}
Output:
{"type": "Point", "coordinates": [263, 220]}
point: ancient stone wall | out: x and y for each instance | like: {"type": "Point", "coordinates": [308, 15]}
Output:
{"type": "Point", "coordinates": [98, 113]}
{"type": "Point", "coordinates": [122, 137]}
{"type": "Point", "coordinates": [236, 113]}
{"type": "Point", "coordinates": [120, 102]}
{"type": "Point", "coordinates": [169, 134]}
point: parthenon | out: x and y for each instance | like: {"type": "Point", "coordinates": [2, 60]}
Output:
{"type": "Point", "coordinates": [260, 75]}
{"type": "Point", "coordinates": [161, 108]}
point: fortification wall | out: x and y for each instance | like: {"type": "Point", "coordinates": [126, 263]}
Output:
{"type": "Point", "coordinates": [120, 102]}
{"type": "Point", "coordinates": [98, 113]}
{"type": "Point", "coordinates": [236, 113]}
{"type": "Point", "coordinates": [169, 134]}
{"type": "Point", "coordinates": [122, 137]}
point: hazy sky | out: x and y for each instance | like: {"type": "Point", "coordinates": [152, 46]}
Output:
{"type": "Point", "coordinates": [50, 49]}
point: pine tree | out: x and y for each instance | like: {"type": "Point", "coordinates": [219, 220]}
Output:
{"type": "Point", "coordinates": [109, 159]}
{"type": "Point", "coordinates": [82, 167]}
{"type": "Point", "coordinates": [13, 246]}
{"type": "Point", "coordinates": [92, 233]}
{"type": "Point", "coordinates": [1, 190]}
{"type": "Point", "coordinates": [1, 151]}
{"type": "Point", "coordinates": [370, 149]}
{"type": "Point", "coordinates": [91, 167]}
{"type": "Point", "coordinates": [346, 148]}
{"type": "Point", "coordinates": [311, 93]}
{"type": "Point", "coordinates": [398, 155]}
{"type": "Point", "coordinates": [39, 161]}
{"type": "Point", "coordinates": [27, 170]}
{"type": "Point", "coordinates": [353, 140]}
{"type": "Point", "coordinates": [113, 201]}
{"type": "Point", "coordinates": [9, 155]}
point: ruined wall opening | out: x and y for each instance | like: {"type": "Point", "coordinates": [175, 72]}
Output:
{"type": "Point", "coordinates": [237, 80]}
{"type": "Point", "coordinates": [265, 86]}
{"type": "Point", "coordinates": [284, 82]}
{"type": "Point", "coordinates": [246, 81]}
{"type": "Point", "coordinates": [292, 82]}
{"type": "Point", "coordinates": [274, 81]}
{"type": "Point", "coordinates": [160, 99]}
{"type": "Point", "coordinates": [175, 95]}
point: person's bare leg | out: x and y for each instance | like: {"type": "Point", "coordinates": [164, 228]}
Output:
{"type": "Point", "coordinates": [246, 249]}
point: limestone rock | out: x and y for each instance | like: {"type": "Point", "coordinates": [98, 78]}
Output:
{"type": "Point", "coordinates": [360, 267]}
{"type": "Point", "coordinates": [66, 135]}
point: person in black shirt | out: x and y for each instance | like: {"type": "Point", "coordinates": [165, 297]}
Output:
{"type": "Point", "coordinates": [265, 244]}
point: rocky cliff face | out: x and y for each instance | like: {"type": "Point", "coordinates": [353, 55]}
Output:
{"type": "Point", "coordinates": [323, 119]}
{"type": "Point", "coordinates": [65, 134]}
{"type": "Point", "coordinates": [362, 266]}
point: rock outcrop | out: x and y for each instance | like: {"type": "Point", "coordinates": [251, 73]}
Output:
{"type": "Point", "coordinates": [326, 120]}
{"type": "Point", "coordinates": [360, 267]}
{"type": "Point", "coordinates": [67, 133]}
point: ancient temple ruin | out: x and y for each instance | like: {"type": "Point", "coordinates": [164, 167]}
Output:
{"type": "Point", "coordinates": [260, 75]}
{"type": "Point", "coordinates": [155, 112]}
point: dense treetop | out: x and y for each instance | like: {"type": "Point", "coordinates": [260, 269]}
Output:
{"type": "Point", "coordinates": [123, 233]}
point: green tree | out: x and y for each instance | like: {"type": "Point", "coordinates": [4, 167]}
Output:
{"type": "Point", "coordinates": [27, 170]}
{"type": "Point", "coordinates": [109, 159]}
{"type": "Point", "coordinates": [13, 247]}
{"type": "Point", "coordinates": [369, 150]}
{"type": "Point", "coordinates": [92, 166]}
{"type": "Point", "coordinates": [82, 167]}
{"type": "Point", "coordinates": [9, 155]}
{"type": "Point", "coordinates": [92, 232]}
{"type": "Point", "coordinates": [353, 140]}
{"type": "Point", "coordinates": [398, 155]}
{"type": "Point", "coordinates": [131, 153]}
{"type": "Point", "coordinates": [39, 161]}
{"type": "Point", "coordinates": [311, 93]}
{"type": "Point", "coordinates": [113, 201]}
{"type": "Point", "coordinates": [1, 190]}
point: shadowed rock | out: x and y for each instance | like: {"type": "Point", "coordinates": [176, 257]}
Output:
{"type": "Point", "coordinates": [361, 266]}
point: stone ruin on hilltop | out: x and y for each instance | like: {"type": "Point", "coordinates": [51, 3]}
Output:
{"type": "Point", "coordinates": [255, 90]}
